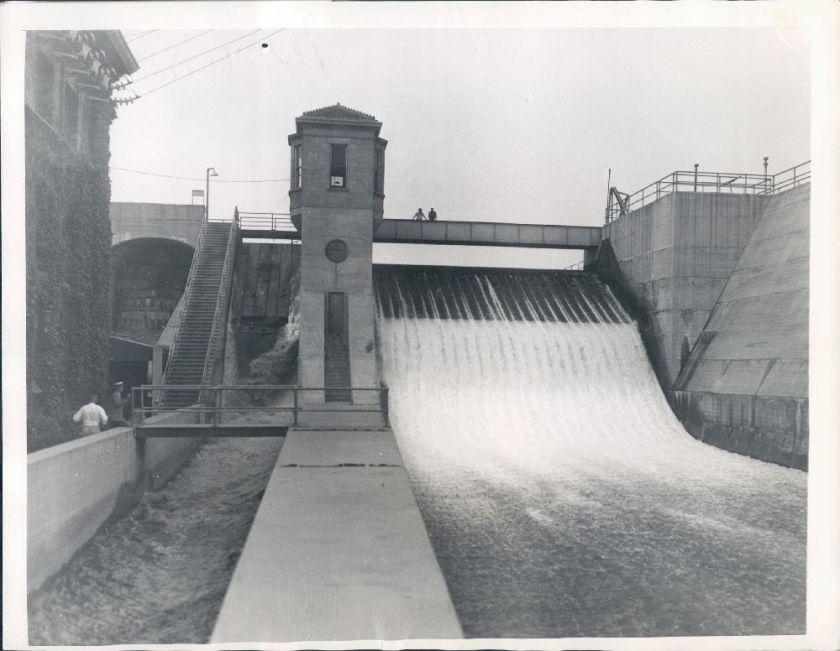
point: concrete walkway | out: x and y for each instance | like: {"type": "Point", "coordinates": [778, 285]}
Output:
{"type": "Point", "coordinates": [337, 551]}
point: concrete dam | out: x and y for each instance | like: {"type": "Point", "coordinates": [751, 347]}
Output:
{"type": "Point", "coordinates": [447, 452]}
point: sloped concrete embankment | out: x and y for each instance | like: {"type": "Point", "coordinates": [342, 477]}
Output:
{"type": "Point", "coordinates": [745, 385]}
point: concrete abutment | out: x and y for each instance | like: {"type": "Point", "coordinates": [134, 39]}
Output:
{"type": "Point", "coordinates": [719, 286]}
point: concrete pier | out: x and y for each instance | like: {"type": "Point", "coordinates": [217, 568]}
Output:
{"type": "Point", "coordinates": [338, 550]}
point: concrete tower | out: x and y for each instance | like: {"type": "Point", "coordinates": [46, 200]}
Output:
{"type": "Point", "coordinates": [336, 197]}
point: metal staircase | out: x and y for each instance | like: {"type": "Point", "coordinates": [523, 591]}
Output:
{"type": "Point", "coordinates": [201, 331]}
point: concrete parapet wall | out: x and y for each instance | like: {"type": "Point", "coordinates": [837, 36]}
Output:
{"type": "Point", "coordinates": [75, 487]}
{"type": "Point", "coordinates": [769, 428]}
{"type": "Point", "coordinates": [132, 221]}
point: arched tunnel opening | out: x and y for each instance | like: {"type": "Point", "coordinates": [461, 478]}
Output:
{"type": "Point", "coordinates": [149, 277]}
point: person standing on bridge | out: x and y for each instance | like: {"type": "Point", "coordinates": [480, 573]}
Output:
{"type": "Point", "coordinates": [91, 416]}
{"type": "Point", "coordinates": [432, 215]}
{"type": "Point", "coordinates": [419, 216]}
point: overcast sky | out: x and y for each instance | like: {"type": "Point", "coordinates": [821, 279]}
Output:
{"type": "Point", "coordinates": [500, 125]}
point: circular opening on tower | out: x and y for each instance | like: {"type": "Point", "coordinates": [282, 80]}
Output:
{"type": "Point", "coordinates": [336, 250]}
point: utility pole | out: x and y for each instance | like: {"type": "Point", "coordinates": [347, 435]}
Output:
{"type": "Point", "coordinates": [211, 171]}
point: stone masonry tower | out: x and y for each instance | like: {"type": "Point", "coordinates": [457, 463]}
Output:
{"type": "Point", "coordinates": [336, 198]}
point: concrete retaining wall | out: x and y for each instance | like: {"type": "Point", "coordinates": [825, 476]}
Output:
{"type": "Point", "coordinates": [754, 357]}
{"type": "Point", "coordinates": [75, 487]}
{"type": "Point", "coordinates": [264, 285]}
{"type": "Point", "coordinates": [263, 280]}
{"type": "Point", "coordinates": [772, 429]}
{"type": "Point", "coordinates": [677, 253]}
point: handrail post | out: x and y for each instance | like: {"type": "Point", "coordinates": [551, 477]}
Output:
{"type": "Point", "coordinates": [135, 413]}
{"type": "Point", "coordinates": [295, 408]}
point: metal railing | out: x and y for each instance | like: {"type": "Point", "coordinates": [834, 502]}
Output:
{"type": "Point", "coordinates": [792, 177]}
{"type": "Point", "coordinates": [217, 336]}
{"type": "Point", "coordinates": [712, 182]}
{"type": "Point", "coordinates": [266, 221]}
{"type": "Point", "coordinates": [234, 404]}
{"type": "Point", "coordinates": [176, 342]}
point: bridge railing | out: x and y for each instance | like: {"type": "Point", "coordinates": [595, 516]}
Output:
{"type": "Point", "coordinates": [715, 182]}
{"type": "Point", "coordinates": [266, 221]}
{"type": "Point", "coordinates": [270, 404]}
{"type": "Point", "coordinates": [216, 343]}
{"type": "Point", "coordinates": [792, 177]}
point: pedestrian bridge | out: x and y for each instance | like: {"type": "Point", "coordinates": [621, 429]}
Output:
{"type": "Point", "coordinates": [534, 236]}
{"type": "Point", "coordinates": [252, 410]}
{"type": "Point", "coordinates": [469, 233]}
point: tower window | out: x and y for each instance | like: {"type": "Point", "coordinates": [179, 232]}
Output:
{"type": "Point", "coordinates": [297, 167]}
{"type": "Point", "coordinates": [338, 166]}
{"type": "Point", "coordinates": [379, 174]}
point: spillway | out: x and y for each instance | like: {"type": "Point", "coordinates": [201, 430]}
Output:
{"type": "Point", "coordinates": [562, 496]}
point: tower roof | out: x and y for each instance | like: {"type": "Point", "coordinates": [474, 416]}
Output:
{"type": "Point", "coordinates": [341, 114]}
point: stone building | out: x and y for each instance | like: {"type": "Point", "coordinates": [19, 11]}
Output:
{"type": "Point", "coordinates": [69, 81]}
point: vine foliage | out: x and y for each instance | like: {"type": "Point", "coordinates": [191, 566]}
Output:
{"type": "Point", "coordinates": [68, 274]}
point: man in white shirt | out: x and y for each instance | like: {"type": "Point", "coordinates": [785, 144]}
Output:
{"type": "Point", "coordinates": [91, 416]}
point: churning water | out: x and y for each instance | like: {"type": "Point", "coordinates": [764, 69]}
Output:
{"type": "Point", "coordinates": [562, 496]}
{"type": "Point", "coordinates": [159, 575]}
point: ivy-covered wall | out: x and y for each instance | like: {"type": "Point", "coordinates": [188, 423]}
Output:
{"type": "Point", "coordinates": [68, 273]}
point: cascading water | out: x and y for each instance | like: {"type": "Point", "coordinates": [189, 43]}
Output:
{"type": "Point", "coordinates": [562, 496]}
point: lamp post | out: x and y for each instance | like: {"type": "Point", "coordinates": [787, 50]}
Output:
{"type": "Point", "coordinates": [211, 171]}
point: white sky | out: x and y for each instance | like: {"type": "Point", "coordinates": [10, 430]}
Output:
{"type": "Point", "coordinates": [483, 124]}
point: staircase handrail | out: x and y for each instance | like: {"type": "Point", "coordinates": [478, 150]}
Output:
{"type": "Point", "coordinates": [223, 294]}
{"type": "Point", "coordinates": [190, 277]}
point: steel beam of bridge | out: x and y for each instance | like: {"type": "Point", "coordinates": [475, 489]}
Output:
{"type": "Point", "coordinates": [190, 430]}
{"type": "Point", "coordinates": [534, 236]}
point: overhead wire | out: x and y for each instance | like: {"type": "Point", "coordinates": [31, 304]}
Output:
{"type": "Point", "coordinates": [166, 49]}
{"type": "Point", "coordinates": [137, 37]}
{"type": "Point", "coordinates": [230, 54]}
{"type": "Point", "coordinates": [195, 56]}
{"type": "Point", "coordinates": [195, 178]}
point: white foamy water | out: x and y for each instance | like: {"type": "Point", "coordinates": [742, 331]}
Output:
{"type": "Point", "coordinates": [564, 498]}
